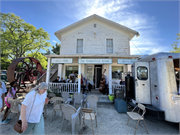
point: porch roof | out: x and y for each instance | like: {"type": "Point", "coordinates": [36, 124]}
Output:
{"type": "Point", "coordinates": [93, 56]}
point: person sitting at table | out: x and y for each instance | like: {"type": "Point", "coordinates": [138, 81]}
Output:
{"type": "Point", "coordinates": [62, 81]}
{"type": "Point", "coordinates": [56, 80]}
{"type": "Point", "coordinates": [70, 80]}
{"type": "Point", "coordinates": [122, 82]}
{"type": "Point", "coordinates": [11, 94]}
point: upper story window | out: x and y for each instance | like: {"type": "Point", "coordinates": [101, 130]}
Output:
{"type": "Point", "coordinates": [109, 45]}
{"type": "Point", "coordinates": [79, 46]}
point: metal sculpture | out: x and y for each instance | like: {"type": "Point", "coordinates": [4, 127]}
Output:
{"type": "Point", "coordinates": [25, 69]}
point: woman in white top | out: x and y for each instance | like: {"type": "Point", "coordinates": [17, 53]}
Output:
{"type": "Point", "coordinates": [32, 110]}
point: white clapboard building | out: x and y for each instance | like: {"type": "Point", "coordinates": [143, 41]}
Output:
{"type": "Point", "coordinates": [93, 46]}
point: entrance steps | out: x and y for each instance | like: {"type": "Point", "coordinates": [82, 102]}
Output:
{"type": "Point", "coordinates": [102, 98]}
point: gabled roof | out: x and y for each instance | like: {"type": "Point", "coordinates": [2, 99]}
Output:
{"type": "Point", "coordinates": [130, 32]}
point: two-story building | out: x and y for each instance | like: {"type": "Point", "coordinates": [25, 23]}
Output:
{"type": "Point", "coordinates": [93, 46]}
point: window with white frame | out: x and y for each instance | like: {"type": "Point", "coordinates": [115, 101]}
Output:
{"type": "Point", "coordinates": [79, 46]}
{"type": "Point", "coordinates": [109, 45]}
{"type": "Point", "coordinates": [117, 72]}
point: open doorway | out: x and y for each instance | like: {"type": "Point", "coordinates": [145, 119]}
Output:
{"type": "Point", "coordinates": [98, 75]}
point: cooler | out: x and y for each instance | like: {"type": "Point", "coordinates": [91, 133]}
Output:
{"type": "Point", "coordinates": [120, 105]}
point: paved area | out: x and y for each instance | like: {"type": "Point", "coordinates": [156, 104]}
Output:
{"type": "Point", "coordinates": [109, 122]}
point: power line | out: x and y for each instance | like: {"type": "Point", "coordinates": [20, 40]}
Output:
{"type": "Point", "coordinates": [137, 48]}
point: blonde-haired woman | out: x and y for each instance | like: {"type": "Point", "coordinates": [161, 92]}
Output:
{"type": "Point", "coordinates": [32, 110]}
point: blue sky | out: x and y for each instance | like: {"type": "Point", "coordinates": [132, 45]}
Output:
{"type": "Point", "coordinates": [156, 21]}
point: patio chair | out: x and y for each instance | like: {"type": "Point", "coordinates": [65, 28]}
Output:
{"type": "Point", "coordinates": [78, 98]}
{"type": "Point", "coordinates": [70, 113]}
{"type": "Point", "coordinates": [14, 106]}
{"type": "Point", "coordinates": [89, 115]}
{"type": "Point", "coordinates": [56, 105]}
{"type": "Point", "coordinates": [91, 102]}
{"type": "Point", "coordinates": [65, 96]}
{"type": "Point", "coordinates": [136, 116]}
{"type": "Point", "coordinates": [50, 95]}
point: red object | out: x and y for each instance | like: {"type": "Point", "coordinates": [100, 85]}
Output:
{"type": "Point", "coordinates": [170, 57]}
{"type": "Point", "coordinates": [157, 97]}
{"type": "Point", "coordinates": [153, 58]}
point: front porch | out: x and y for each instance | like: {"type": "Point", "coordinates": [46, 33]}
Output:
{"type": "Point", "coordinates": [57, 88]}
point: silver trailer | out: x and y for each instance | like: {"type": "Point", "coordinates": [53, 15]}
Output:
{"type": "Point", "coordinates": [156, 83]}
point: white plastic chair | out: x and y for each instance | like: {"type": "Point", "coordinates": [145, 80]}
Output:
{"type": "Point", "coordinates": [91, 102]}
{"type": "Point", "coordinates": [78, 99]}
{"type": "Point", "coordinates": [65, 96]}
{"type": "Point", "coordinates": [136, 116]}
{"type": "Point", "coordinates": [70, 113]}
{"type": "Point", "coordinates": [14, 106]}
{"type": "Point", "coordinates": [50, 95]}
{"type": "Point", "coordinates": [56, 105]}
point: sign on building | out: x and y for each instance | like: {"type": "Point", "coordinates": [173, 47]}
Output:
{"type": "Point", "coordinates": [126, 61]}
{"type": "Point", "coordinates": [61, 60]}
{"type": "Point", "coordinates": [95, 61]}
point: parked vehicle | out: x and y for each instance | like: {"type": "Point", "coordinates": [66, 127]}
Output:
{"type": "Point", "coordinates": [156, 85]}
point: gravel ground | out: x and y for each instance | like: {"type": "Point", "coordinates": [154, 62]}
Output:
{"type": "Point", "coordinates": [109, 121]}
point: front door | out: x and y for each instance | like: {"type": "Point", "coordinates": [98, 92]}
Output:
{"type": "Point", "coordinates": [98, 75]}
{"type": "Point", "coordinates": [142, 82]}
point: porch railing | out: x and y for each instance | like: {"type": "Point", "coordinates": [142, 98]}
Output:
{"type": "Point", "coordinates": [118, 86]}
{"type": "Point", "coordinates": [60, 87]}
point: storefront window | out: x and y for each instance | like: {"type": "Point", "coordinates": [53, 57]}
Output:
{"type": "Point", "coordinates": [70, 69]}
{"type": "Point", "coordinates": [117, 72]}
{"type": "Point", "coordinates": [142, 73]}
{"type": "Point", "coordinates": [89, 73]}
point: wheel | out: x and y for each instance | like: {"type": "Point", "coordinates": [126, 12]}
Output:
{"type": "Point", "coordinates": [26, 69]}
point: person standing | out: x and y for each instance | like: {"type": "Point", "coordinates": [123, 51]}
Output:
{"type": "Point", "coordinates": [3, 90]}
{"type": "Point", "coordinates": [106, 85]}
{"type": "Point", "coordinates": [72, 76]}
{"type": "Point", "coordinates": [11, 94]}
{"type": "Point", "coordinates": [32, 110]}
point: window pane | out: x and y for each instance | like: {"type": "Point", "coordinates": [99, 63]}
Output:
{"type": "Point", "coordinates": [117, 72]}
{"type": "Point", "coordinates": [142, 73]}
{"type": "Point", "coordinates": [70, 69]}
{"type": "Point", "coordinates": [89, 73]}
{"type": "Point", "coordinates": [109, 45]}
{"type": "Point", "coordinates": [79, 46]}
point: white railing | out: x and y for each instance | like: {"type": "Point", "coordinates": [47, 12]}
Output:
{"type": "Point", "coordinates": [60, 87]}
{"type": "Point", "coordinates": [117, 86]}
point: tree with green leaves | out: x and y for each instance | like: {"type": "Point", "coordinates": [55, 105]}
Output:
{"type": "Point", "coordinates": [176, 45]}
{"type": "Point", "coordinates": [56, 49]}
{"type": "Point", "coordinates": [19, 38]}
{"type": "Point", "coordinates": [42, 59]}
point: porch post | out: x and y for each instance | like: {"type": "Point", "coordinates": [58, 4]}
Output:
{"type": "Point", "coordinates": [48, 70]}
{"type": "Point", "coordinates": [60, 70]}
{"type": "Point", "coordinates": [110, 79]}
{"type": "Point", "coordinates": [79, 79]}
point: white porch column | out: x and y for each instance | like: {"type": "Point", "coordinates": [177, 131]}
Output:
{"type": "Point", "coordinates": [110, 78]}
{"type": "Point", "coordinates": [48, 70]}
{"type": "Point", "coordinates": [60, 70]}
{"type": "Point", "coordinates": [79, 79]}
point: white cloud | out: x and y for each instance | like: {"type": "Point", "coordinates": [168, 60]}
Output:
{"type": "Point", "coordinates": [123, 12]}
{"type": "Point", "coordinates": [54, 41]}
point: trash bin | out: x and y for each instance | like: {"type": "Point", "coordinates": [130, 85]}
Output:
{"type": "Point", "coordinates": [120, 105]}
{"type": "Point", "coordinates": [119, 93]}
